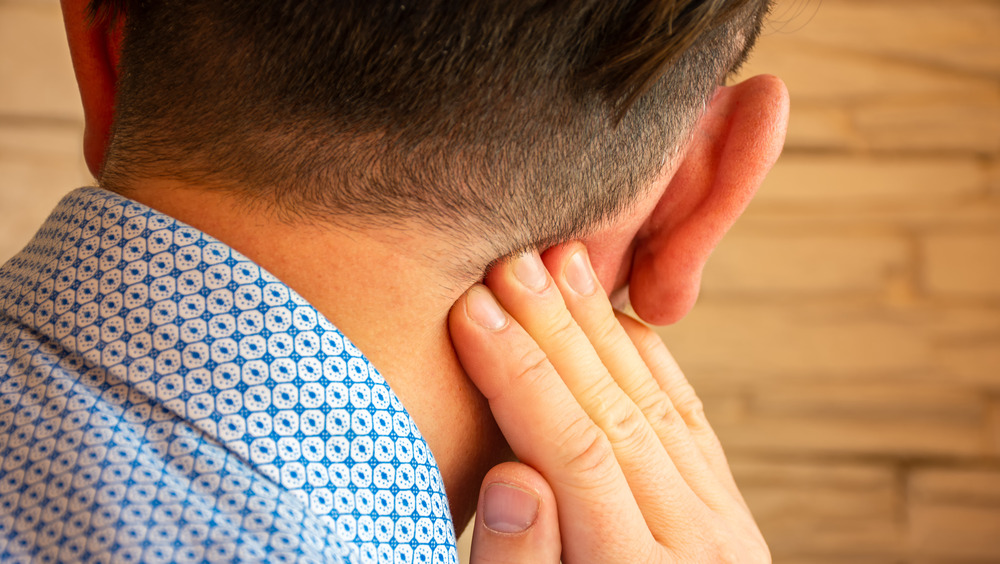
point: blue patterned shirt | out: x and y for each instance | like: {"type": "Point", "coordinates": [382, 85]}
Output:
{"type": "Point", "coordinates": [164, 399]}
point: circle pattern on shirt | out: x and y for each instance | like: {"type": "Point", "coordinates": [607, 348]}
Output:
{"type": "Point", "coordinates": [162, 398]}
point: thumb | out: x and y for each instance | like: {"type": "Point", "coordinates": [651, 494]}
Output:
{"type": "Point", "coordinates": [516, 520]}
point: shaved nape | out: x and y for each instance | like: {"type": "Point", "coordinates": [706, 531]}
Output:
{"type": "Point", "coordinates": [529, 121]}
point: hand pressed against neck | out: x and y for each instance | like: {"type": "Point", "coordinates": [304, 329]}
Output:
{"type": "Point", "coordinates": [390, 291]}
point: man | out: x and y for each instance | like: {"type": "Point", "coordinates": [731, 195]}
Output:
{"type": "Point", "coordinates": [178, 383]}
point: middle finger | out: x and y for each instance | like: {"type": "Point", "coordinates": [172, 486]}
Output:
{"type": "Point", "coordinates": [525, 289]}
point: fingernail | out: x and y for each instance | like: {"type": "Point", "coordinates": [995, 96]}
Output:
{"type": "Point", "coordinates": [485, 310]}
{"type": "Point", "coordinates": [579, 275]}
{"type": "Point", "coordinates": [507, 509]}
{"type": "Point", "coordinates": [528, 268]}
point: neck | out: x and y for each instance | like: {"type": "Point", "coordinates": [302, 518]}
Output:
{"type": "Point", "coordinates": [390, 296]}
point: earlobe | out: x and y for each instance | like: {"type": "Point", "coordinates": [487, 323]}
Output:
{"type": "Point", "coordinates": [94, 48]}
{"type": "Point", "coordinates": [731, 150]}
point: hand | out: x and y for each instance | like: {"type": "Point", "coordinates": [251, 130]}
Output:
{"type": "Point", "coordinates": [592, 400]}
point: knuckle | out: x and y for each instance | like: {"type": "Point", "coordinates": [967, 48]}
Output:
{"type": "Point", "coordinates": [559, 328]}
{"type": "Point", "coordinates": [625, 422]}
{"type": "Point", "coordinates": [533, 366]}
{"type": "Point", "coordinates": [661, 411]}
{"type": "Point", "coordinates": [606, 330]}
{"type": "Point", "coordinates": [727, 554]}
{"type": "Point", "coordinates": [589, 452]}
{"type": "Point", "coordinates": [557, 333]}
{"type": "Point", "coordinates": [693, 411]}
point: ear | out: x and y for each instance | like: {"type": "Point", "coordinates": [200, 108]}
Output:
{"type": "Point", "coordinates": [732, 148]}
{"type": "Point", "coordinates": [95, 49]}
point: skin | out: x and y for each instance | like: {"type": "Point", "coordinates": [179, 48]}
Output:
{"type": "Point", "coordinates": [613, 441]}
{"type": "Point", "coordinates": [372, 282]}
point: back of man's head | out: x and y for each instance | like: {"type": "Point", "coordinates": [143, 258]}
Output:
{"type": "Point", "coordinates": [532, 120]}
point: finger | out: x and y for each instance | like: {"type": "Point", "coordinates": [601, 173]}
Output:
{"type": "Point", "coordinates": [525, 289]}
{"type": "Point", "coordinates": [581, 291]}
{"type": "Point", "coordinates": [670, 378]}
{"type": "Point", "coordinates": [516, 520]}
{"type": "Point", "coordinates": [547, 428]}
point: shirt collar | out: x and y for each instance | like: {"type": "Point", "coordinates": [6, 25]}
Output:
{"type": "Point", "coordinates": [146, 296]}
{"type": "Point", "coordinates": [180, 317]}
{"type": "Point", "coordinates": [169, 310]}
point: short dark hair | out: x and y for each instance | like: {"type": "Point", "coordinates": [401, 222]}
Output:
{"type": "Point", "coordinates": [533, 119]}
